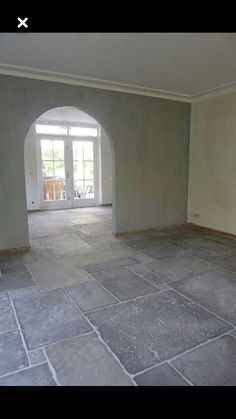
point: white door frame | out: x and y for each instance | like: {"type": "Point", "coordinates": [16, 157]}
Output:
{"type": "Point", "coordinates": [70, 201]}
{"type": "Point", "coordinates": [59, 204]}
{"type": "Point", "coordinates": [76, 203]}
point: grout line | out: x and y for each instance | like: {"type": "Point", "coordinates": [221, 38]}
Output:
{"type": "Point", "coordinates": [19, 328]}
{"type": "Point", "coordinates": [203, 307]}
{"type": "Point", "coordinates": [9, 330]}
{"type": "Point", "coordinates": [181, 375]}
{"type": "Point", "coordinates": [29, 367]}
{"type": "Point", "coordinates": [183, 353]}
{"type": "Point", "coordinates": [33, 278]}
{"type": "Point", "coordinates": [126, 301]}
{"type": "Point", "coordinates": [52, 370]}
{"type": "Point", "coordinates": [101, 339]}
{"type": "Point", "coordinates": [109, 292]}
{"type": "Point", "coordinates": [64, 340]}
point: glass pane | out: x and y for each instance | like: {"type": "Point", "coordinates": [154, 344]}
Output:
{"type": "Point", "coordinates": [88, 150]}
{"type": "Point", "coordinates": [46, 148]}
{"type": "Point", "coordinates": [83, 131]}
{"type": "Point", "coordinates": [78, 170]}
{"type": "Point", "coordinates": [88, 170]}
{"type": "Point", "coordinates": [48, 190]}
{"type": "Point", "coordinates": [58, 149]}
{"type": "Point", "coordinates": [47, 167]}
{"type": "Point", "coordinates": [77, 150]}
{"type": "Point", "coordinates": [59, 186]}
{"type": "Point", "coordinates": [51, 129]}
{"type": "Point", "coordinates": [89, 189]}
{"type": "Point", "coordinates": [59, 170]}
{"type": "Point", "coordinates": [79, 192]}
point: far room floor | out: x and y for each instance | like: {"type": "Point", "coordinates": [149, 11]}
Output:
{"type": "Point", "coordinates": [85, 307]}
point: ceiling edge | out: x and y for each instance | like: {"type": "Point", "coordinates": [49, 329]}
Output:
{"type": "Point", "coordinates": [34, 73]}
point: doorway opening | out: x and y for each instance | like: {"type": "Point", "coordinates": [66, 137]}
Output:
{"type": "Point", "coordinates": [68, 167]}
{"type": "Point", "coordinates": [68, 162]}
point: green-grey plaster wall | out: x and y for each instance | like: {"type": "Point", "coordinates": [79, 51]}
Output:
{"type": "Point", "coordinates": [150, 141]}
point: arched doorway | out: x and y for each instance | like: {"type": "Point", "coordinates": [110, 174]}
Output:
{"type": "Point", "coordinates": [68, 162]}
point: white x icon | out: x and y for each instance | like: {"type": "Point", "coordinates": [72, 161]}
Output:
{"type": "Point", "coordinates": [22, 22]}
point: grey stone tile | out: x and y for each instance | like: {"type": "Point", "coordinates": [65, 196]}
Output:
{"type": "Point", "coordinates": [96, 256]}
{"type": "Point", "coordinates": [164, 375]}
{"type": "Point", "coordinates": [14, 270]}
{"type": "Point", "coordinates": [7, 319]}
{"type": "Point", "coordinates": [12, 353]}
{"type": "Point", "coordinates": [25, 292]}
{"type": "Point", "coordinates": [225, 262]}
{"type": "Point", "coordinates": [233, 333]}
{"type": "Point", "coordinates": [35, 376]}
{"type": "Point", "coordinates": [57, 274]}
{"type": "Point", "coordinates": [37, 356]}
{"type": "Point", "coordinates": [211, 247]}
{"type": "Point", "coordinates": [110, 264]}
{"type": "Point", "coordinates": [154, 278]}
{"type": "Point", "coordinates": [213, 364]}
{"type": "Point", "coordinates": [139, 268]}
{"type": "Point", "coordinates": [89, 257]}
{"type": "Point", "coordinates": [85, 361]}
{"type": "Point", "coordinates": [214, 290]}
{"type": "Point", "coordinates": [123, 283]}
{"type": "Point", "coordinates": [163, 287]}
{"type": "Point", "coordinates": [16, 259]}
{"type": "Point", "coordinates": [15, 281]}
{"type": "Point", "coordinates": [182, 267]}
{"type": "Point", "coordinates": [143, 258]}
{"type": "Point", "coordinates": [90, 295]}
{"type": "Point", "coordinates": [164, 251]}
{"type": "Point", "coordinates": [142, 243]}
{"type": "Point", "coordinates": [49, 318]}
{"type": "Point", "coordinates": [154, 328]}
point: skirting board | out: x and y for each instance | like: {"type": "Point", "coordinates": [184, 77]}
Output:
{"type": "Point", "coordinates": [15, 250]}
{"type": "Point", "coordinates": [212, 231]}
{"type": "Point", "coordinates": [150, 229]}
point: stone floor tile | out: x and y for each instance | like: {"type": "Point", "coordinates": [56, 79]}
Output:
{"type": "Point", "coordinates": [7, 318]}
{"type": "Point", "coordinates": [57, 274]}
{"type": "Point", "coordinates": [213, 364]}
{"type": "Point", "coordinates": [85, 361]}
{"type": "Point", "coordinates": [110, 264]}
{"type": "Point", "coordinates": [164, 375]}
{"type": "Point", "coordinates": [35, 376]}
{"type": "Point", "coordinates": [15, 281]}
{"type": "Point", "coordinates": [49, 318]}
{"type": "Point", "coordinates": [154, 328]}
{"type": "Point", "coordinates": [124, 284]}
{"type": "Point", "coordinates": [90, 295]}
{"type": "Point", "coordinates": [12, 353]}
{"type": "Point", "coordinates": [37, 356]}
{"type": "Point", "coordinates": [214, 290]}
{"type": "Point", "coordinates": [181, 267]}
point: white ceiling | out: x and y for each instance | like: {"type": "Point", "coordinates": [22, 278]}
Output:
{"type": "Point", "coordinates": [67, 114]}
{"type": "Point", "coordinates": [182, 63]}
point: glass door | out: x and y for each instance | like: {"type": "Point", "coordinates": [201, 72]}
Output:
{"type": "Point", "coordinates": [84, 179]}
{"type": "Point", "coordinates": [54, 173]}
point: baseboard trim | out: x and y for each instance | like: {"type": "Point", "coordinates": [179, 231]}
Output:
{"type": "Point", "coordinates": [212, 231]}
{"type": "Point", "coordinates": [15, 250]}
{"type": "Point", "coordinates": [105, 205]}
{"type": "Point", "coordinates": [123, 233]}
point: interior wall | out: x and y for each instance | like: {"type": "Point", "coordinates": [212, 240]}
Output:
{"type": "Point", "coordinates": [150, 146]}
{"type": "Point", "coordinates": [212, 174]}
{"type": "Point", "coordinates": [31, 170]}
{"type": "Point", "coordinates": [106, 169]}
